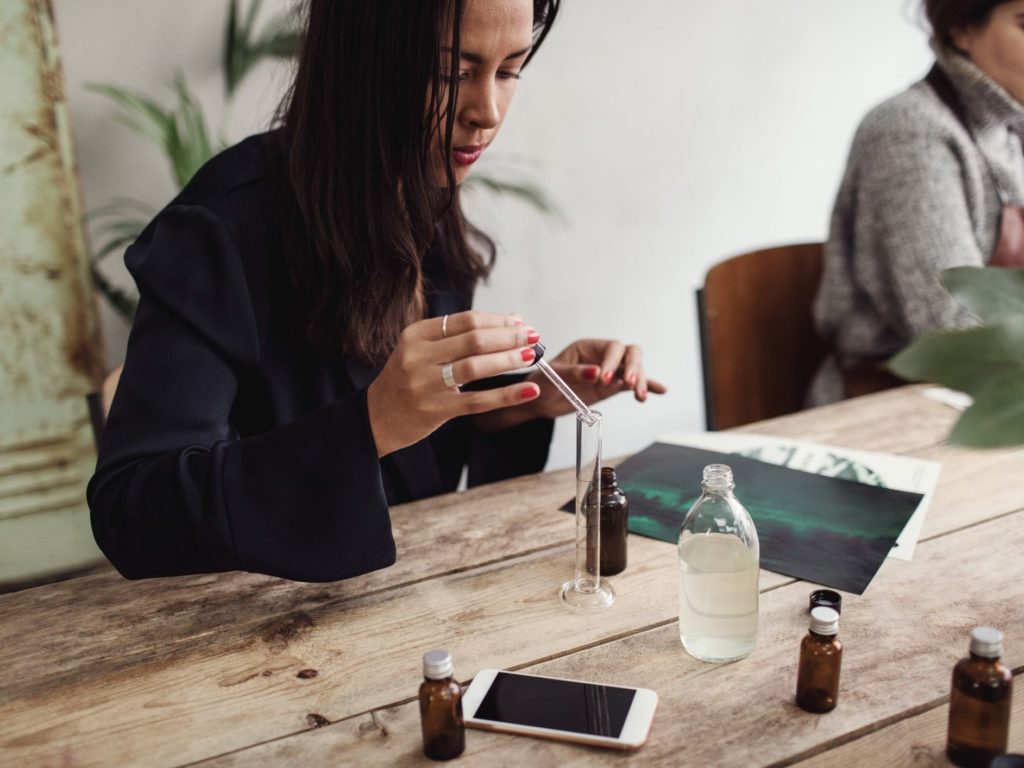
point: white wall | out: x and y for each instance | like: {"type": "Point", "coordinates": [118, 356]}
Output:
{"type": "Point", "coordinates": [671, 134]}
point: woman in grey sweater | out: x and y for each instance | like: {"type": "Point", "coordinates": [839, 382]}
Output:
{"type": "Point", "coordinates": [934, 179]}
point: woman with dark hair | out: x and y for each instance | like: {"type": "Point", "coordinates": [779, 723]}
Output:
{"type": "Point", "coordinates": [304, 324]}
{"type": "Point", "coordinates": [935, 179]}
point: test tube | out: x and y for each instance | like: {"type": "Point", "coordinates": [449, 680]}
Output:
{"type": "Point", "coordinates": [587, 592]}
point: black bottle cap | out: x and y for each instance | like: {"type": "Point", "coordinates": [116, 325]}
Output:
{"type": "Point", "coordinates": [539, 349]}
{"type": "Point", "coordinates": [826, 598]}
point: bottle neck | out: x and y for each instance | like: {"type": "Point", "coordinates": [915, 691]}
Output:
{"type": "Point", "coordinates": [717, 490]}
{"type": "Point", "coordinates": [609, 482]}
{"type": "Point", "coordinates": [717, 478]}
{"type": "Point", "coordinates": [979, 657]}
{"type": "Point", "coordinates": [438, 679]}
{"type": "Point", "coordinates": [822, 638]}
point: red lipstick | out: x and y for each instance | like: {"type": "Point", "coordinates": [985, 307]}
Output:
{"type": "Point", "coordinates": [467, 154]}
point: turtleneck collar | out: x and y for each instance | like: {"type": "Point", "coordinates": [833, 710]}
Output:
{"type": "Point", "coordinates": [988, 104]}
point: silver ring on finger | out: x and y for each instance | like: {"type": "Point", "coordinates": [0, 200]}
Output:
{"type": "Point", "coordinates": [448, 376]}
{"type": "Point", "coordinates": [444, 327]}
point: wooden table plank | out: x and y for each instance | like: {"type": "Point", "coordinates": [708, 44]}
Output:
{"type": "Point", "coordinates": [237, 652]}
{"type": "Point", "coordinates": [897, 660]}
{"type": "Point", "coordinates": [108, 626]}
{"type": "Point", "coordinates": [868, 422]}
{"type": "Point", "coordinates": [215, 657]}
{"type": "Point", "coordinates": [916, 742]}
{"type": "Point", "coordinates": [974, 486]}
{"type": "Point", "coordinates": [240, 690]}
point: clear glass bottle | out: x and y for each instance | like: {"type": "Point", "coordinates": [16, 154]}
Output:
{"type": "Point", "coordinates": [979, 703]}
{"type": "Point", "coordinates": [444, 734]}
{"type": "Point", "coordinates": [718, 571]}
{"type": "Point", "coordinates": [821, 655]}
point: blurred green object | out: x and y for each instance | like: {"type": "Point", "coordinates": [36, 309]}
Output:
{"type": "Point", "coordinates": [986, 362]}
{"type": "Point", "coordinates": [180, 131]}
{"type": "Point", "coordinates": [182, 135]}
{"type": "Point", "coordinates": [243, 49]}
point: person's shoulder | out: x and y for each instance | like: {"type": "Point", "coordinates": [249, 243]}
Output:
{"type": "Point", "coordinates": [916, 114]}
{"type": "Point", "coordinates": [237, 176]}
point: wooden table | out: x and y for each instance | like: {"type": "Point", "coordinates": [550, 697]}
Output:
{"type": "Point", "coordinates": [244, 670]}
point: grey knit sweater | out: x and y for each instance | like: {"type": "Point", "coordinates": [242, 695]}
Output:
{"type": "Point", "coordinates": [918, 196]}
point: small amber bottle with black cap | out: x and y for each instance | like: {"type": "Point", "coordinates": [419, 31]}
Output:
{"type": "Point", "coordinates": [444, 733]}
{"type": "Point", "coordinates": [821, 656]}
{"type": "Point", "coordinates": [979, 704]}
{"type": "Point", "coordinates": [614, 524]}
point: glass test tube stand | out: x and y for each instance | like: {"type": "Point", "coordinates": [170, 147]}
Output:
{"type": "Point", "coordinates": [587, 592]}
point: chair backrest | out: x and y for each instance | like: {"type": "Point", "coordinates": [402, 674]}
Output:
{"type": "Point", "coordinates": [758, 343]}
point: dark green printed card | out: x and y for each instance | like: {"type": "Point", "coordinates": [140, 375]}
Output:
{"type": "Point", "coordinates": [820, 529]}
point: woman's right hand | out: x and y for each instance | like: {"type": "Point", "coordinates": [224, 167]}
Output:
{"type": "Point", "coordinates": [410, 399]}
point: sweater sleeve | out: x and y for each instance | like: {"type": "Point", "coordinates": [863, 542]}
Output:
{"type": "Point", "coordinates": [507, 453]}
{"type": "Point", "coordinates": [177, 490]}
{"type": "Point", "coordinates": [912, 220]}
{"type": "Point", "coordinates": [519, 450]}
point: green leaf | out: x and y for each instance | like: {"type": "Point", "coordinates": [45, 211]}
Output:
{"type": "Point", "coordinates": [189, 146]}
{"type": "Point", "coordinates": [123, 301]}
{"type": "Point", "coordinates": [118, 224]}
{"type": "Point", "coordinates": [527, 192]}
{"type": "Point", "coordinates": [138, 112]}
{"type": "Point", "coordinates": [996, 419]}
{"type": "Point", "coordinates": [243, 50]}
{"type": "Point", "coordinates": [180, 131]}
{"type": "Point", "coordinates": [992, 293]}
{"type": "Point", "coordinates": [965, 360]}
{"type": "Point", "coordinates": [281, 44]}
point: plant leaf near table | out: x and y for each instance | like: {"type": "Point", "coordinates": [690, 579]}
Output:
{"type": "Point", "coordinates": [986, 362]}
{"type": "Point", "coordinates": [181, 133]}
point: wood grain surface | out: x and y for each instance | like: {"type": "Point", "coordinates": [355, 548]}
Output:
{"type": "Point", "coordinates": [238, 669]}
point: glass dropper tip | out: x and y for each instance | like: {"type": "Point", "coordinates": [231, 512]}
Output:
{"type": "Point", "coordinates": [585, 413]}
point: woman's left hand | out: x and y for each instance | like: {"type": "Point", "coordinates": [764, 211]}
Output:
{"type": "Point", "coordinates": [595, 369]}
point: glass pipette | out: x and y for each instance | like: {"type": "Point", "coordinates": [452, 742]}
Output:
{"type": "Point", "coordinates": [581, 408]}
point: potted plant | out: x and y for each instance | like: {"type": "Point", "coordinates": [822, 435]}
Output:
{"type": "Point", "coordinates": [985, 362]}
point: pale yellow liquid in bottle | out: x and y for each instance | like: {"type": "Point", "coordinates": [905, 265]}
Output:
{"type": "Point", "coordinates": [718, 597]}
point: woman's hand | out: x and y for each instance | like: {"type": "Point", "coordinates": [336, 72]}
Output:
{"type": "Point", "coordinates": [410, 398]}
{"type": "Point", "coordinates": [595, 369]}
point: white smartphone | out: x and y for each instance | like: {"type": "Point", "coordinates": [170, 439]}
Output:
{"type": "Point", "coordinates": [552, 707]}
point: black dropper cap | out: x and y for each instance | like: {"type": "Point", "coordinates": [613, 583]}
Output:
{"type": "Point", "coordinates": [826, 598]}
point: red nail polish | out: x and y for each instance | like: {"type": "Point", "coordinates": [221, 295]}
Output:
{"type": "Point", "coordinates": [590, 373]}
{"type": "Point", "coordinates": [532, 337]}
{"type": "Point", "coordinates": [527, 355]}
{"type": "Point", "coordinates": [608, 377]}
{"type": "Point", "coordinates": [528, 393]}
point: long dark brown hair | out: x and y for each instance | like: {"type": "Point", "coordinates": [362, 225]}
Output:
{"type": "Point", "coordinates": [361, 204]}
{"type": "Point", "coordinates": [944, 16]}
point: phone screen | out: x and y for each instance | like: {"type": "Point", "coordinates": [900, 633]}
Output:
{"type": "Point", "coordinates": [562, 705]}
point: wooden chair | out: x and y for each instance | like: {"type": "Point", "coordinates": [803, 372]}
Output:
{"type": "Point", "coordinates": [758, 345]}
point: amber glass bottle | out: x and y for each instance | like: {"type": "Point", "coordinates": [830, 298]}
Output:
{"type": "Point", "coordinates": [444, 734]}
{"type": "Point", "coordinates": [614, 524]}
{"type": "Point", "coordinates": [821, 655]}
{"type": "Point", "coordinates": [979, 704]}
